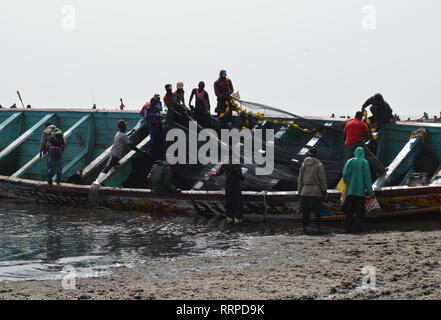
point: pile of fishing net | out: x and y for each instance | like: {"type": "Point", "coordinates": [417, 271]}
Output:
{"type": "Point", "coordinates": [291, 136]}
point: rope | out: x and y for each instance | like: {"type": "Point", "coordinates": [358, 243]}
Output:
{"type": "Point", "coordinates": [262, 106]}
{"type": "Point", "coordinates": [94, 199]}
{"type": "Point", "coordinates": [264, 203]}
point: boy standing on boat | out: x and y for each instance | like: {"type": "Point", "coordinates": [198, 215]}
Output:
{"type": "Point", "coordinates": [357, 176]}
{"type": "Point", "coordinates": [118, 150]}
{"type": "Point", "coordinates": [312, 187]}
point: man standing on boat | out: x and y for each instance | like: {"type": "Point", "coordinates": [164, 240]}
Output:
{"type": "Point", "coordinates": [157, 138]}
{"type": "Point", "coordinates": [52, 142]}
{"type": "Point", "coordinates": [354, 131]}
{"type": "Point", "coordinates": [223, 88]}
{"type": "Point", "coordinates": [202, 104]}
{"type": "Point", "coordinates": [381, 111]}
{"type": "Point", "coordinates": [357, 176]}
{"type": "Point", "coordinates": [171, 102]}
{"type": "Point", "coordinates": [118, 150]}
{"type": "Point", "coordinates": [45, 136]}
{"type": "Point", "coordinates": [312, 187]}
{"type": "Point", "coordinates": [179, 93]}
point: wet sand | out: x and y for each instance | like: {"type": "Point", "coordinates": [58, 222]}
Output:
{"type": "Point", "coordinates": [406, 258]}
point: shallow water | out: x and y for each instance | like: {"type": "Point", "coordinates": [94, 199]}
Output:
{"type": "Point", "coordinates": [37, 242]}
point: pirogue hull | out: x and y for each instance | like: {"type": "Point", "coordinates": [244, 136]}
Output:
{"type": "Point", "coordinates": [395, 201]}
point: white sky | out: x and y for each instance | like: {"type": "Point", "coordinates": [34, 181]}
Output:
{"type": "Point", "coordinates": [308, 56]}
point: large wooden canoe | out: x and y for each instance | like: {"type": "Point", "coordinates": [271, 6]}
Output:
{"type": "Point", "coordinates": [90, 134]}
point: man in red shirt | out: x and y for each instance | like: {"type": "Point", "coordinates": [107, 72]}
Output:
{"type": "Point", "coordinates": [354, 131]}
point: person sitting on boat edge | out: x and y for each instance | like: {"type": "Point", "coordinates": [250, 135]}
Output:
{"type": "Point", "coordinates": [160, 178]}
{"type": "Point", "coordinates": [117, 151]}
{"type": "Point", "coordinates": [354, 131]}
{"type": "Point", "coordinates": [357, 176]}
{"type": "Point", "coordinates": [312, 188]}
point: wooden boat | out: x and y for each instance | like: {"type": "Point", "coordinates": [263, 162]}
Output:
{"type": "Point", "coordinates": [89, 134]}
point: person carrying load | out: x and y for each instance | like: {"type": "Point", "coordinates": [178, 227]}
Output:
{"type": "Point", "coordinates": [118, 150]}
{"type": "Point", "coordinates": [52, 142]}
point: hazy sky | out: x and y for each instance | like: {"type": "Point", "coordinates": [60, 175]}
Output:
{"type": "Point", "coordinates": [310, 57]}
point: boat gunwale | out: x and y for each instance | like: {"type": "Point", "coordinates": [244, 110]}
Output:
{"type": "Point", "coordinates": [135, 111]}
{"type": "Point", "coordinates": [395, 191]}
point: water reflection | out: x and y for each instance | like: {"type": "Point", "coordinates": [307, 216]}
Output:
{"type": "Point", "coordinates": [36, 242]}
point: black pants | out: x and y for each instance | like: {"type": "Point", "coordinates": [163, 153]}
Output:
{"type": "Point", "coordinates": [308, 205]}
{"type": "Point", "coordinates": [233, 197]}
{"type": "Point", "coordinates": [111, 163]}
{"type": "Point", "coordinates": [353, 206]}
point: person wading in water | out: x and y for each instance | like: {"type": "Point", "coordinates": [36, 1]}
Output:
{"type": "Point", "coordinates": [233, 190]}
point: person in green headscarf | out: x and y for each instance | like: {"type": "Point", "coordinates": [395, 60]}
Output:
{"type": "Point", "coordinates": [357, 175]}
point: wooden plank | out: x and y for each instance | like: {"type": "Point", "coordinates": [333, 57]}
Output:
{"type": "Point", "coordinates": [17, 142]}
{"type": "Point", "coordinates": [36, 158]}
{"type": "Point", "coordinates": [400, 166]}
{"type": "Point", "coordinates": [10, 119]}
{"type": "Point", "coordinates": [314, 141]}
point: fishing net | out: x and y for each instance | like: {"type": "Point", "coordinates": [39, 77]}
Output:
{"type": "Point", "coordinates": [293, 137]}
